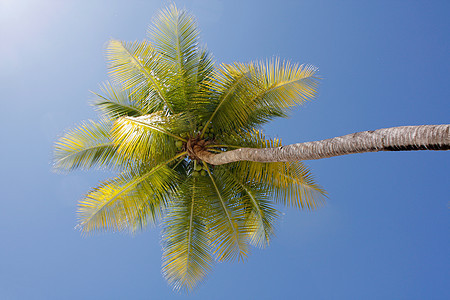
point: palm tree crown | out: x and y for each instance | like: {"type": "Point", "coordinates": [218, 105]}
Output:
{"type": "Point", "coordinates": [168, 99]}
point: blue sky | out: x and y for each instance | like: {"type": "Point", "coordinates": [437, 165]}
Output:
{"type": "Point", "coordinates": [384, 232]}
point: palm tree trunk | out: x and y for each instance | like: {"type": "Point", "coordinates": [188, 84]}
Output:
{"type": "Point", "coordinates": [404, 138]}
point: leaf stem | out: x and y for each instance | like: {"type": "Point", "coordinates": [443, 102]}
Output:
{"type": "Point", "coordinates": [179, 161]}
{"type": "Point", "coordinates": [157, 129]}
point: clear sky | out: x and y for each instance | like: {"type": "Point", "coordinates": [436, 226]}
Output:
{"type": "Point", "coordinates": [384, 232]}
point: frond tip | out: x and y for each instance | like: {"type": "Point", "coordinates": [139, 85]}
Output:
{"type": "Point", "coordinates": [186, 251]}
{"type": "Point", "coordinates": [116, 102]}
{"type": "Point", "coordinates": [86, 146]}
{"type": "Point", "coordinates": [117, 203]}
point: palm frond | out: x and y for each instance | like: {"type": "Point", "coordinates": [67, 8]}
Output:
{"type": "Point", "coordinates": [252, 94]}
{"type": "Point", "coordinates": [261, 215]}
{"type": "Point", "coordinates": [116, 102]}
{"type": "Point", "coordinates": [187, 254]}
{"type": "Point", "coordinates": [149, 138]}
{"type": "Point", "coordinates": [230, 86]}
{"type": "Point", "coordinates": [148, 209]}
{"type": "Point", "coordinates": [86, 146]}
{"type": "Point", "coordinates": [228, 233]}
{"type": "Point", "coordinates": [138, 67]}
{"type": "Point", "coordinates": [261, 220]}
{"type": "Point", "coordinates": [284, 84]}
{"type": "Point", "coordinates": [205, 66]}
{"type": "Point", "coordinates": [291, 183]}
{"type": "Point", "coordinates": [202, 96]}
{"type": "Point", "coordinates": [175, 36]}
{"type": "Point", "coordinates": [117, 204]}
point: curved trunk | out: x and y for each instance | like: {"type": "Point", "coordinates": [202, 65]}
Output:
{"type": "Point", "coordinates": [404, 138]}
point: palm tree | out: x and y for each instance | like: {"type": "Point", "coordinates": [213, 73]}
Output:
{"type": "Point", "coordinates": [184, 136]}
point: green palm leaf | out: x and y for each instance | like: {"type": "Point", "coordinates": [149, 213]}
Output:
{"type": "Point", "coordinates": [175, 36]}
{"type": "Point", "coordinates": [250, 95]}
{"type": "Point", "coordinates": [292, 184]}
{"type": "Point", "coordinates": [205, 66]}
{"type": "Point", "coordinates": [230, 86]}
{"type": "Point", "coordinates": [228, 233]}
{"type": "Point", "coordinates": [148, 210]}
{"type": "Point", "coordinates": [117, 102]}
{"type": "Point", "coordinates": [136, 66]}
{"type": "Point", "coordinates": [86, 146]}
{"type": "Point", "coordinates": [284, 84]}
{"type": "Point", "coordinates": [261, 215]}
{"type": "Point", "coordinates": [148, 138]}
{"type": "Point", "coordinates": [202, 97]}
{"type": "Point", "coordinates": [116, 203]}
{"type": "Point", "coordinates": [187, 254]}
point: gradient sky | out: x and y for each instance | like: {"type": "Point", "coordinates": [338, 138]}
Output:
{"type": "Point", "coordinates": [384, 232]}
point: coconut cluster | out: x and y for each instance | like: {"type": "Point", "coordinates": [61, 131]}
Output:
{"type": "Point", "coordinates": [197, 140]}
{"type": "Point", "coordinates": [199, 170]}
{"type": "Point", "coordinates": [209, 131]}
{"type": "Point", "coordinates": [200, 136]}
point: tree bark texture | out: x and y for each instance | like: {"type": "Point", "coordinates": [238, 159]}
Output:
{"type": "Point", "coordinates": [404, 138]}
